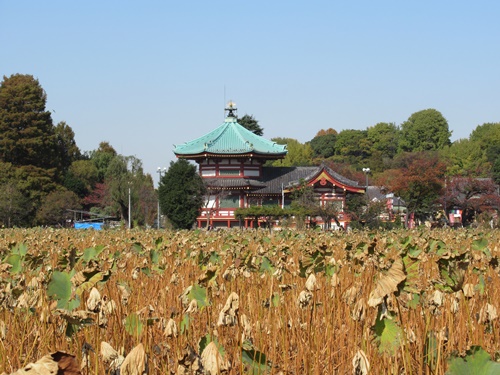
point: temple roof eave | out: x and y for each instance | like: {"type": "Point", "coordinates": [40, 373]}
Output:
{"type": "Point", "coordinates": [252, 154]}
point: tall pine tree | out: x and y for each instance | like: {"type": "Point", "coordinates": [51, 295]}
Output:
{"type": "Point", "coordinates": [27, 134]}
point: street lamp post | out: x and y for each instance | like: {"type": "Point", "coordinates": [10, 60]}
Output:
{"type": "Point", "coordinates": [129, 209]}
{"type": "Point", "coordinates": [366, 171]}
{"type": "Point", "coordinates": [160, 172]}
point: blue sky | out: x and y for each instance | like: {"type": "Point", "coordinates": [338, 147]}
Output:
{"type": "Point", "coordinates": [145, 75]}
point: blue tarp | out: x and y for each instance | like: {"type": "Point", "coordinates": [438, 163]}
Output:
{"type": "Point", "coordinates": [96, 226]}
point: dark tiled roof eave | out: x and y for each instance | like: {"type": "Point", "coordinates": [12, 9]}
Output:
{"type": "Point", "coordinates": [233, 183]}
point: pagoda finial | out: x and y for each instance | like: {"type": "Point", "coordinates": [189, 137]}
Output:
{"type": "Point", "coordinates": [231, 109]}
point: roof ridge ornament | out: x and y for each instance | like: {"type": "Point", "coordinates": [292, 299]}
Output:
{"type": "Point", "coordinates": [231, 109]}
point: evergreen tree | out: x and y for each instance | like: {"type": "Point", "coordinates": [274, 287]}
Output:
{"type": "Point", "coordinates": [250, 123]}
{"type": "Point", "coordinates": [27, 135]}
{"type": "Point", "coordinates": [181, 193]}
{"type": "Point", "coordinates": [66, 149]}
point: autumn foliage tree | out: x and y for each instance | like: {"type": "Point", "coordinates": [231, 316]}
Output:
{"type": "Point", "coordinates": [419, 182]}
{"type": "Point", "coordinates": [471, 195]}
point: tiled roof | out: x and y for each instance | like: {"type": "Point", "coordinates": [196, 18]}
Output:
{"type": "Point", "coordinates": [228, 139]}
{"type": "Point", "coordinates": [233, 183]}
{"type": "Point", "coordinates": [375, 194]}
{"type": "Point", "coordinates": [276, 177]}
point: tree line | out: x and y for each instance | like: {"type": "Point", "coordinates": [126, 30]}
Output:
{"type": "Point", "coordinates": [44, 174]}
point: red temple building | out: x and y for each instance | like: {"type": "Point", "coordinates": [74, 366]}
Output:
{"type": "Point", "coordinates": [231, 161]}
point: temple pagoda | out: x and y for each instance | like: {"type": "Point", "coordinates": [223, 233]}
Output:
{"type": "Point", "coordinates": [231, 161]}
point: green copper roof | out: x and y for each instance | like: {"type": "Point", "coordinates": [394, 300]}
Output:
{"type": "Point", "coordinates": [228, 139]}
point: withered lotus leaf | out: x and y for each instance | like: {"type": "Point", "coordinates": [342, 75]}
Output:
{"type": "Point", "coordinates": [108, 306]}
{"type": "Point", "coordinates": [108, 353]}
{"type": "Point", "coordinates": [184, 297]}
{"type": "Point", "coordinates": [67, 363]}
{"type": "Point", "coordinates": [94, 301]}
{"type": "Point", "coordinates": [208, 275]}
{"type": "Point", "coordinates": [5, 267]}
{"type": "Point", "coordinates": [455, 306]}
{"type": "Point", "coordinates": [304, 299]}
{"type": "Point", "coordinates": [189, 362]}
{"type": "Point", "coordinates": [488, 314]}
{"type": "Point", "coordinates": [30, 299]}
{"type": "Point", "coordinates": [351, 294]}
{"type": "Point", "coordinates": [3, 330]}
{"type": "Point", "coordinates": [387, 283]}
{"type": "Point", "coordinates": [437, 298]}
{"type": "Point", "coordinates": [135, 362]}
{"type": "Point", "coordinates": [76, 317]}
{"type": "Point", "coordinates": [170, 329]}
{"type": "Point", "coordinates": [82, 276]}
{"type": "Point", "coordinates": [247, 328]}
{"type": "Point", "coordinates": [230, 273]}
{"type": "Point", "coordinates": [125, 293]}
{"type": "Point", "coordinates": [359, 311]}
{"type": "Point", "coordinates": [111, 357]}
{"type": "Point", "coordinates": [212, 360]}
{"type": "Point", "coordinates": [468, 290]}
{"type": "Point", "coordinates": [228, 314]}
{"type": "Point", "coordinates": [360, 364]}
{"type": "Point", "coordinates": [335, 281]}
{"type": "Point", "coordinates": [135, 273]}
{"type": "Point", "coordinates": [311, 283]}
{"type": "Point", "coordinates": [59, 363]}
{"type": "Point", "coordinates": [192, 307]}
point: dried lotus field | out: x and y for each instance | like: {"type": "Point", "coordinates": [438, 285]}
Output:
{"type": "Point", "coordinates": [249, 302]}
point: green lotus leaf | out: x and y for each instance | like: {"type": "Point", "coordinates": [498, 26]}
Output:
{"type": "Point", "coordinates": [477, 361]}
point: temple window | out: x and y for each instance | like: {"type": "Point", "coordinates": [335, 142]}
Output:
{"type": "Point", "coordinates": [229, 172]}
{"type": "Point", "coordinates": [270, 201]}
{"type": "Point", "coordinates": [229, 201]}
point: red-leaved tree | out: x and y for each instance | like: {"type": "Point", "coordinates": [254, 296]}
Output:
{"type": "Point", "coordinates": [419, 181]}
{"type": "Point", "coordinates": [471, 195]}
